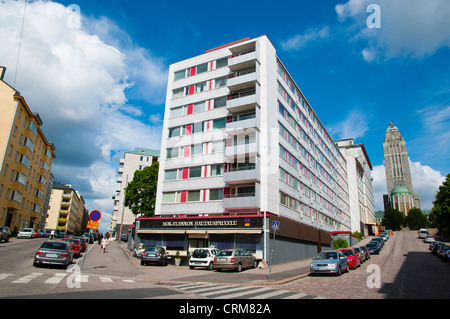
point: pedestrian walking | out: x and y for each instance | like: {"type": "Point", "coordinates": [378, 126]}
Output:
{"type": "Point", "coordinates": [104, 244]}
{"type": "Point", "coordinates": [52, 234]}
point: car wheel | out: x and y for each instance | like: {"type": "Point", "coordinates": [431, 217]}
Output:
{"type": "Point", "coordinates": [142, 263]}
{"type": "Point", "coordinates": [239, 267]}
{"type": "Point", "coordinates": [211, 266]}
{"type": "Point", "coordinates": [339, 272]}
{"type": "Point", "coordinates": [255, 264]}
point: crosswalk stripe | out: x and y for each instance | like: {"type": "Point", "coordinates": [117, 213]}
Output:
{"type": "Point", "coordinates": [26, 279]}
{"type": "Point", "coordinates": [105, 279]}
{"type": "Point", "coordinates": [56, 279]}
{"type": "Point", "coordinates": [296, 296]}
{"type": "Point", "coordinates": [233, 288]}
{"type": "Point", "coordinates": [4, 276]}
{"type": "Point", "coordinates": [241, 294]}
{"type": "Point", "coordinates": [269, 294]}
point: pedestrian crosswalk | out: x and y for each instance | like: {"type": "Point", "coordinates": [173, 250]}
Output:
{"type": "Point", "coordinates": [214, 291]}
{"type": "Point", "coordinates": [56, 278]}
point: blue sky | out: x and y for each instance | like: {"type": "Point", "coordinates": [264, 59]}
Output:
{"type": "Point", "coordinates": [99, 82]}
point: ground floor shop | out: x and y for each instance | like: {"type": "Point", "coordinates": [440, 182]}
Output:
{"type": "Point", "coordinates": [182, 235]}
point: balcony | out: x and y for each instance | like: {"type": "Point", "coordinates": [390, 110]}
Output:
{"type": "Point", "coordinates": [243, 56]}
{"type": "Point", "coordinates": [241, 124]}
{"type": "Point", "coordinates": [243, 147]}
{"type": "Point", "coordinates": [243, 79]}
{"type": "Point", "coordinates": [240, 173]}
{"type": "Point", "coordinates": [242, 200]}
{"type": "Point", "coordinates": [243, 100]}
{"type": "Point", "coordinates": [62, 221]}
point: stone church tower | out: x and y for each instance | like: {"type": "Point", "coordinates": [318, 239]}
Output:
{"type": "Point", "coordinates": [398, 174]}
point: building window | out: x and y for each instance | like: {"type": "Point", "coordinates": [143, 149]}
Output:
{"type": "Point", "coordinates": [193, 196]}
{"type": "Point", "coordinates": [216, 194]}
{"type": "Point", "coordinates": [180, 75]}
{"type": "Point", "coordinates": [195, 172]}
{"type": "Point", "coordinates": [221, 62]}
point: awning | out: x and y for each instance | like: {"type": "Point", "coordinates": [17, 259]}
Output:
{"type": "Point", "coordinates": [199, 232]}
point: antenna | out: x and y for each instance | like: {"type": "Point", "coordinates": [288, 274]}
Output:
{"type": "Point", "coordinates": [20, 42]}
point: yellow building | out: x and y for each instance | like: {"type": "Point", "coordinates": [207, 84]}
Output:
{"type": "Point", "coordinates": [26, 159]}
{"type": "Point", "coordinates": [67, 212]}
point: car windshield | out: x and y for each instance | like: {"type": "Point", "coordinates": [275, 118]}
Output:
{"type": "Point", "coordinates": [54, 245]}
{"type": "Point", "coordinates": [327, 255]}
{"type": "Point", "coordinates": [26, 230]}
{"type": "Point", "coordinates": [72, 241]}
{"type": "Point", "coordinates": [225, 253]}
{"type": "Point", "coordinates": [347, 252]}
{"type": "Point", "coordinates": [150, 249]}
{"type": "Point", "coordinates": [200, 253]}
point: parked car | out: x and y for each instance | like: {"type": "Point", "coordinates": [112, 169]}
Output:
{"type": "Point", "coordinates": [361, 255]}
{"type": "Point", "coordinates": [352, 256]}
{"type": "Point", "coordinates": [366, 252]}
{"type": "Point", "coordinates": [373, 248]}
{"type": "Point", "coordinates": [329, 261]}
{"type": "Point", "coordinates": [37, 233]}
{"type": "Point", "coordinates": [83, 245]}
{"type": "Point", "coordinates": [433, 243]}
{"type": "Point", "coordinates": [423, 232]}
{"type": "Point", "coordinates": [26, 233]}
{"type": "Point", "coordinates": [236, 259]}
{"type": "Point", "coordinates": [428, 239]}
{"type": "Point", "coordinates": [203, 257]}
{"type": "Point", "coordinates": [436, 247]}
{"type": "Point", "coordinates": [54, 253]}
{"type": "Point", "coordinates": [442, 250]}
{"type": "Point", "coordinates": [89, 238]}
{"type": "Point", "coordinates": [154, 254]}
{"type": "Point", "coordinates": [378, 240]}
{"type": "Point", "coordinates": [5, 233]}
{"type": "Point", "coordinates": [75, 246]}
{"type": "Point", "coordinates": [124, 237]}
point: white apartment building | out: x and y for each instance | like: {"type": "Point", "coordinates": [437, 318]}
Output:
{"type": "Point", "coordinates": [359, 171]}
{"type": "Point", "coordinates": [242, 148]}
{"type": "Point", "coordinates": [122, 217]}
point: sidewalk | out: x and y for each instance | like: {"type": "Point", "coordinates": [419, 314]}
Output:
{"type": "Point", "coordinates": [117, 262]}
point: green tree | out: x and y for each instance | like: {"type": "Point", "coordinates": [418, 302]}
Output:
{"type": "Point", "coordinates": [416, 219]}
{"type": "Point", "coordinates": [441, 207]}
{"type": "Point", "coordinates": [140, 194]}
{"type": "Point", "coordinates": [340, 243]}
{"type": "Point", "coordinates": [393, 219]}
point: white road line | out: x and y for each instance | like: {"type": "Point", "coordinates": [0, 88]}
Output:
{"type": "Point", "coordinates": [269, 294]}
{"type": "Point", "coordinates": [26, 279]}
{"type": "Point", "coordinates": [4, 276]}
{"type": "Point", "coordinates": [127, 280]}
{"type": "Point", "coordinates": [296, 296]}
{"type": "Point", "coordinates": [56, 279]}
{"type": "Point", "coordinates": [105, 279]}
{"type": "Point", "coordinates": [240, 294]}
{"type": "Point", "coordinates": [233, 288]}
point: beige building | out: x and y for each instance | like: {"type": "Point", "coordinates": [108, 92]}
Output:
{"type": "Point", "coordinates": [26, 159]}
{"type": "Point", "coordinates": [66, 212]}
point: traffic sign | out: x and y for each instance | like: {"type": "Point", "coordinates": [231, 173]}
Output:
{"type": "Point", "coordinates": [275, 225]}
{"type": "Point", "coordinates": [95, 215]}
{"type": "Point", "coordinates": [92, 225]}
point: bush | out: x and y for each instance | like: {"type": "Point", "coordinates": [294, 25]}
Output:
{"type": "Point", "coordinates": [340, 243]}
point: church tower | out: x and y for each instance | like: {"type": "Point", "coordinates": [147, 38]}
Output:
{"type": "Point", "coordinates": [398, 174]}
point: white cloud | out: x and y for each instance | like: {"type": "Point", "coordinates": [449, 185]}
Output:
{"type": "Point", "coordinates": [409, 28]}
{"type": "Point", "coordinates": [300, 41]}
{"type": "Point", "coordinates": [426, 182]}
{"type": "Point", "coordinates": [355, 125]}
{"type": "Point", "coordinates": [78, 80]}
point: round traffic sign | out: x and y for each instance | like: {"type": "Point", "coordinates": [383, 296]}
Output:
{"type": "Point", "coordinates": [95, 215]}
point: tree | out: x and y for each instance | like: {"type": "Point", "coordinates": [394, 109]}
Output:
{"type": "Point", "coordinates": [140, 194]}
{"type": "Point", "coordinates": [415, 219]}
{"type": "Point", "coordinates": [441, 207]}
{"type": "Point", "coordinates": [340, 243]}
{"type": "Point", "coordinates": [393, 219]}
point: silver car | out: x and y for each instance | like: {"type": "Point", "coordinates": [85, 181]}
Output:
{"type": "Point", "coordinates": [54, 252]}
{"type": "Point", "coordinates": [236, 259]}
{"type": "Point", "coordinates": [329, 261]}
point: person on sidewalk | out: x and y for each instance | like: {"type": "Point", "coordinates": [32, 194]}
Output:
{"type": "Point", "coordinates": [104, 244]}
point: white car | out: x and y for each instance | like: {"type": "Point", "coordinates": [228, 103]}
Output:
{"type": "Point", "coordinates": [203, 257]}
{"type": "Point", "coordinates": [26, 233]}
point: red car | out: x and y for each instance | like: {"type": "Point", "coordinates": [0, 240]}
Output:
{"type": "Point", "coordinates": [37, 233]}
{"type": "Point", "coordinates": [76, 245]}
{"type": "Point", "coordinates": [352, 257]}
{"type": "Point", "coordinates": [82, 243]}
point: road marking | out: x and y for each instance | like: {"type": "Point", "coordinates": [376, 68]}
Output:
{"type": "Point", "coordinates": [270, 294]}
{"type": "Point", "coordinates": [105, 279]}
{"type": "Point", "coordinates": [26, 279]}
{"type": "Point", "coordinates": [240, 294]}
{"type": "Point", "coordinates": [4, 276]}
{"type": "Point", "coordinates": [56, 279]}
{"type": "Point", "coordinates": [128, 280]}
